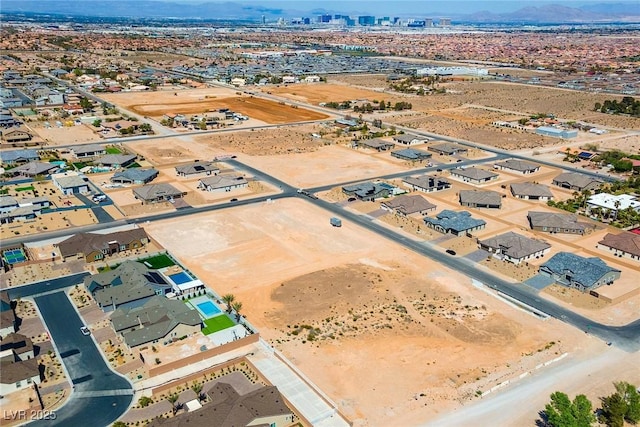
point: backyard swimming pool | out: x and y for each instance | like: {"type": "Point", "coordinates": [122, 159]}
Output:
{"type": "Point", "coordinates": [208, 309]}
{"type": "Point", "coordinates": [180, 278]}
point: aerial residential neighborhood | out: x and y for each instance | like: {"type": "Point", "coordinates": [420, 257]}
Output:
{"type": "Point", "coordinates": [219, 215]}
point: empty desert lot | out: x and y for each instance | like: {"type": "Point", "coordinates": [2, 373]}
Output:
{"type": "Point", "coordinates": [391, 336]}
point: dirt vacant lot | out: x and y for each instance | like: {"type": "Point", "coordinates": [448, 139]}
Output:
{"type": "Point", "coordinates": [392, 337]}
{"type": "Point", "coordinates": [316, 93]}
{"type": "Point", "coordinates": [156, 104]}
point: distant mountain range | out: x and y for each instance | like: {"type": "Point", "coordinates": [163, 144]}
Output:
{"type": "Point", "coordinates": [627, 12]}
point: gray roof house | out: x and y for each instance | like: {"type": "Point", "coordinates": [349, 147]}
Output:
{"type": "Point", "coordinates": [448, 149]}
{"type": "Point", "coordinates": [116, 160]}
{"type": "Point", "coordinates": [552, 222]}
{"type": "Point", "coordinates": [70, 183]}
{"type": "Point", "coordinates": [14, 157]}
{"type": "Point", "coordinates": [427, 184]}
{"type": "Point", "coordinates": [408, 204]}
{"type": "Point", "coordinates": [158, 319]}
{"type": "Point", "coordinates": [531, 191]}
{"type": "Point", "coordinates": [578, 272]}
{"type": "Point", "coordinates": [88, 151]}
{"type": "Point", "coordinates": [197, 167]}
{"type": "Point", "coordinates": [369, 191]}
{"type": "Point", "coordinates": [134, 176]}
{"type": "Point", "coordinates": [154, 193]}
{"type": "Point", "coordinates": [480, 199]}
{"type": "Point", "coordinates": [474, 175]}
{"type": "Point", "coordinates": [453, 222]}
{"type": "Point", "coordinates": [408, 139]}
{"type": "Point", "coordinates": [376, 144]}
{"type": "Point", "coordinates": [514, 247]}
{"type": "Point", "coordinates": [577, 181]}
{"type": "Point", "coordinates": [411, 154]}
{"type": "Point", "coordinates": [96, 247]}
{"type": "Point", "coordinates": [259, 407]}
{"type": "Point", "coordinates": [34, 169]}
{"type": "Point", "coordinates": [521, 166]}
{"type": "Point", "coordinates": [222, 183]}
{"type": "Point", "coordinates": [132, 283]}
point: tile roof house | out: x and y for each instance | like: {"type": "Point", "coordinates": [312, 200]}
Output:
{"type": "Point", "coordinates": [411, 154]}
{"type": "Point", "coordinates": [521, 166]}
{"type": "Point", "coordinates": [154, 193]}
{"type": "Point", "coordinates": [427, 184]}
{"type": "Point", "coordinates": [116, 160]}
{"type": "Point", "coordinates": [32, 169]}
{"type": "Point", "coordinates": [7, 315]}
{"type": "Point", "coordinates": [480, 199]}
{"type": "Point", "coordinates": [132, 282]}
{"type": "Point", "coordinates": [408, 204]}
{"type": "Point", "coordinates": [17, 374]}
{"type": "Point", "coordinates": [89, 151]}
{"type": "Point", "coordinates": [96, 247]}
{"type": "Point", "coordinates": [134, 176]}
{"type": "Point", "coordinates": [531, 191]}
{"type": "Point", "coordinates": [376, 144]}
{"type": "Point", "coordinates": [514, 247]}
{"type": "Point", "coordinates": [457, 223]}
{"type": "Point", "coordinates": [625, 244]}
{"type": "Point", "coordinates": [20, 345]}
{"type": "Point", "coordinates": [552, 222]}
{"type": "Point", "coordinates": [197, 167]}
{"type": "Point", "coordinates": [222, 183]}
{"type": "Point", "coordinates": [577, 181]}
{"type": "Point", "coordinates": [474, 175]}
{"type": "Point", "coordinates": [448, 149]}
{"type": "Point", "coordinates": [158, 319]}
{"type": "Point", "coordinates": [15, 157]}
{"type": "Point", "coordinates": [578, 272]}
{"type": "Point", "coordinates": [11, 136]}
{"type": "Point", "coordinates": [227, 408]}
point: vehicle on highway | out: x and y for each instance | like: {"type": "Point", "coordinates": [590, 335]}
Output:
{"type": "Point", "coordinates": [450, 251]}
{"type": "Point", "coordinates": [85, 331]}
{"type": "Point", "coordinates": [233, 200]}
{"type": "Point", "coordinates": [438, 170]}
{"type": "Point", "coordinates": [351, 199]}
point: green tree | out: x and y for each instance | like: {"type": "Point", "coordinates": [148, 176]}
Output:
{"type": "Point", "coordinates": [561, 412]}
{"type": "Point", "coordinates": [97, 123]}
{"type": "Point", "coordinates": [86, 104]}
{"type": "Point", "coordinates": [175, 405]}
{"type": "Point", "coordinates": [237, 306]}
{"type": "Point", "coordinates": [197, 389]}
{"type": "Point", "coordinates": [145, 401]}
{"type": "Point", "coordinates": [614, 409]}
{"type": "Point", "coordinates": [623, 405]}
{"type": "Point", "coordinates": [228, 299]}
{"type": "Point", "coordinates": [119, 424]}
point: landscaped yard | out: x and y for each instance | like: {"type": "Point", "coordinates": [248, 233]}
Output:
{"type": "Point", "coordinates": [113, 150]}
{"type": "Point", "coordinates": [158, 261]}
{"type": "Point", "coordinates": [216, 324]}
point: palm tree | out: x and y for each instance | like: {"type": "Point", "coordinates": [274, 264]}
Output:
{"type": "Point", "coordinates": [237, 306]}
{"type": "Point", "coordinates": [197, 389]}
{"type": "Point", "coordinates": [228, 299]}
{"type": "Point", "coordinates": [173, 399]}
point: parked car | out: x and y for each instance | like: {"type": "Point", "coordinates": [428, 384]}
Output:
{"type": "Point", "coordinates": [233, 200]}
{"type": "Point", "coordinates": [451, 251]}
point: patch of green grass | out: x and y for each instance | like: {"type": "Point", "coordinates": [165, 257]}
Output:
{"type": "Point", "coordinates": [29, 188]}
{"type": "Point", "coordinates": [216, 324]}
{"type": "Point", "coordinates": [158, 261]}
{"type": "Point", "coordinates": [134, 165]}
{"type": "Point", "coordinates": [79, 165]}
{"type": "Point", "coordinates": [113, 150]}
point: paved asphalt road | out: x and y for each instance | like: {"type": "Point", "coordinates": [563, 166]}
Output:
{"type": "Point", "coordinates": [46, 286]}
{"type": "Point", "coordinates": [100, 395]}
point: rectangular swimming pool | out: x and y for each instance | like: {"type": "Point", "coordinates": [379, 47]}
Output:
{"type": "Point", "coordinates": [180, 278]}
{"type": "Point", "coordinates": [208, 308]}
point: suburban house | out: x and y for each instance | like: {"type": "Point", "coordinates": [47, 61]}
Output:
{"type": "Point", "coordinates": [579, 272]}
{"type": "Point", "coordinates": [13, 136]}
{"type": "Point", "coordinates": [408, 204]}
{"type": "Point", "coordinates": [263, 406]}
{"type": "Point", "coordinates": [70, 183]}
{"type": "Point", "coordinates": [427, 184]}
{"type": "Point", "coordinates": [20, 345]}
{"type": "Point", "coordinates": [17, 374]}
{"type": "Point", "coordinates": [22, 213]}
{"type": "Point", "coordinates": [158, 319]}
{"type": "Point", "coordinates": [370, 191]}
{"type": "Point", "coordinates": [531, 191]}
{"type": "Point", "coordinates": [453, 222]}
{"type": "Point", "coordinates": [7, 315]}
{"type": "Point", "coordinates": [96, 247]}
{"type": "Point", "coordinates": [8, 204]}
{"type": "Point", "coordinates": [411, 154]}
{"type": "Point", "coordinates": [116, 161]}
{"type": "Point", "coordinates": [196, 168]}
{"type": "Point", "coordinates": [552, 222]}
{"type": "Point", "coordinates": [375, 144]}
{"type": "Point", "coordinates": [154, 193]}
{"type": "Point", "coordinates": [557, 132]}
{"type": "Point", "coordinates": [89, 151]}
{"type": "Point", "coordinates": [612, 204]}
{"type": "Point", "coordinates": [223, 183]}
{"type": "Point", "coordinates": [625, 244]}
{"type": "Point", "coordinates": [408, 139]}
{"type": "Point", "coordinates": [520, 166]}
{"type": "Point", "coordinates": [448, 149]}
{"type": "Point", "coordinates": [134, 176]}
{"type": "Point", "coordinates": [514, 247]}
{"type": "Point", "coordinates": [16, 157]}
{"type": "Point", "coordinates": [131, 284]}
{"type": "Point", "coordinates": [480, 199]}
{"type": "Point", "coordinates": [474, 175]}
{"type": "Point", "coordinates": [33, 169]}
{"type": "Point", "coordinates": [577, 181]}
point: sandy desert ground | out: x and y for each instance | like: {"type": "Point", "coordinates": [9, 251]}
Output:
{"type": "Point", "coordinates": [343, 304]}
